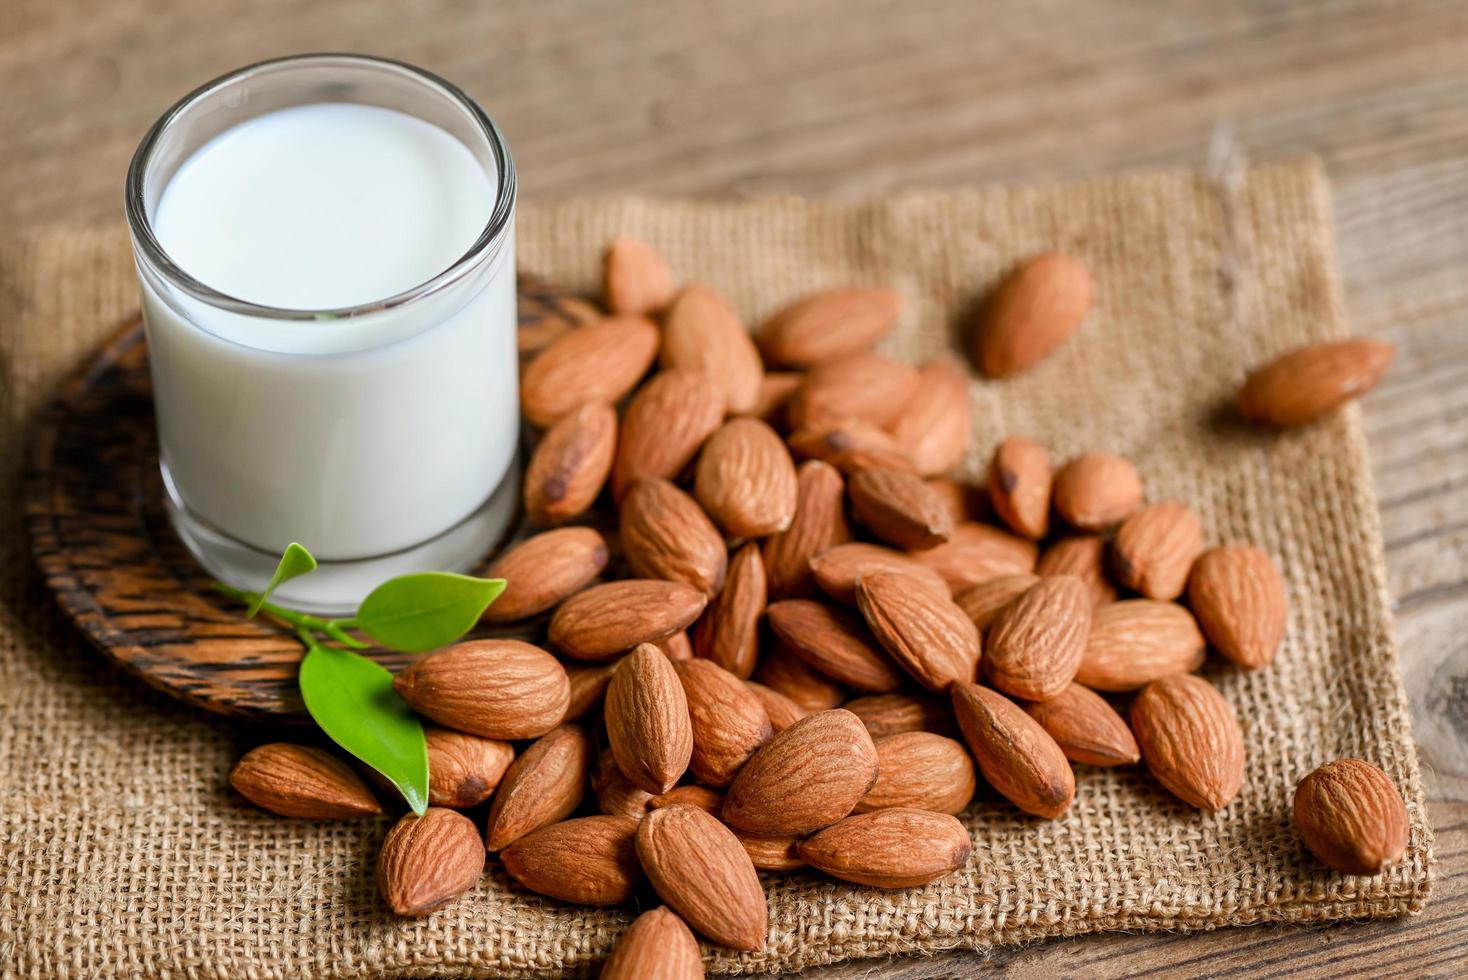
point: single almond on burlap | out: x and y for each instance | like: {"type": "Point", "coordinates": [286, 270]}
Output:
{"type": "Point", "coordinates": [588, 687]}
{"type": "Point", "coordinates": [784, 672]}
{"type": "Point", "coordinates": [935, 425]}
{"type": "Point", "coordinates": [666, 535]}
{"type": "Point", "coordinates": [648, 727]}
{"type": "Point", "coordinates": [807, 777]}
{"type": "Point", "coordinates": [1083, 556]}
{"type": "Point", "coordinates": [819, 524]}
{"type": "Point", "coordinates": [635, 279]}
{"type": "Point", "coordinates": [676, 646]}
{"type": "Point", "coordinates": [464, 769]}
{"type": "Point", "coordinates": [1190, 740]}
{"type": "Point", "coordinates": [494, 688]}
{"type": "Point", "coordinates": [546, 314]}
{"type": "Point", "coordinates": [1034, 648]}
{"type": "Point", "coordinates": [1352, 817]}
{"type": "Point", "coordinates": [827, 438]}
{"type": "Point", "coordinates": [665, 424]}
{"type": "Point", "coordinates": [891, 714]}
{"type": "Point", "coordinates": [656, 946]}
{"type": "Point", "coordinates": [745, 479]}
{"type": "Point", "coordinates": [604, 620]}
{"type": "Point", "coordinates": [692, 794]}
{"type": "Point", "coordinates": [782, 711]}
{"type": "Point", "coordinates": [1239, 599]}
{"type": "Point", "coordinates": [1137, 641]}
{"type": "Point", "coordinates": [1310, 382]}
{"type": "Point", "coordinates": [900, 508]}
{"type": "Point", "coordinates": [926, 633]}
{"type": "Point", "coordinates": [1097, 490]}
{"type": "Point", "coordinates": [1014, 753]}
{"type": "Point", "coordinates": [776, 389]}
{"type": "Point", "coordinates": [728, 720]}
{"type": "Point", "coordinates": [588, 860]}
{"type": "Point", "coordinates": [895, 848]}
{"type": "Point", "coordinates": [862, 386]}
{"type": "Point", "coordinates": [923, 770]}
{"type": "Point", "coordinates": [835, 642]}
{"type": "Point", "coordinates": [700, 869]}
{"type": "Point", "coordinates": [428, 861]}
{"type": "Point", "coordinates": [570, 464]}
{"type": "Point", "coordinates": [1087, 729]}
{"type": "Point", "coordinates": [829, 325]}
{"type": "Point", "coordinates": [702, 332]}
{"type": "Point", "coordinates": [544, 569]}
{"type": "Point", "coordinates": [984, 602]}
{"type": "Point", "coordinates": [1019, 484]}
{"type": "Point", "coordinates": [615, 793]}
{"type": "Point", "coordinates": [728, 631]}
{"type": "Point", "coordinates": [1035, 308]}
{"type": "Point", "coordinates": [302, 781]}
{"type": "Point", "coordinates": [975, 553]}
{"type": "Point", "coordinates": [601, 361]}
{"type": "Point", "coordinates": [963, 502]}
{"type": "Point", "coordinates": [1155, 548]}
{"type": "Point", "coordinates": [543, 785]}
{"type": "Point", "coordinates": [772, 853]}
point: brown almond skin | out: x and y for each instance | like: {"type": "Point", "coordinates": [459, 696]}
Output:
{"type": "Point", "coordinates": [601, 361]}
{"type": "Point", "coordinates": [1084, 556]}
{"type": "Point", "coordinates": [1035, 646]}
{"type": "Point", "coordinates": [975, 553]}
{"type": "Point", "coordinates": [926, 633]}
{"type": "Point", "coordinates": [1019, 483]}
{"type": "Point", "coordinates": [862, 386]}
{"type": "Point", "coordinates": [588, 687]}
{"type": "Point", "coordinates": [1137, 641]}
{"type": "Point", "coordinates": [547, 313]}
{"type": "Point", "coordinates": [1014, 753]}
{"type": "Point", "coordinates": [1352, 817]}
{"type": "Point", "coordinates": [964, 503]}
{"type": "Point", "coordinates": [836, 570]}
{"type": "Point", "coordinates": [984, 602]}
{"type": "Point", "coordinates": [428, 861]}
{"type": "Point", "coordinates": [570, 464]}
{"type": "Point", "coordinates": [1035, 308]}
{"type": "Point", "coordinates": [544, 569]}
{"type": "Point", "coordinates": [852, 461]}
{"type": "Point", "coordinates": [1238, 596]}
{"type": "Point", "coordinates": [782, 711]}
{"type": "Point", "coordinates": [677, 646]}
{"type": "Point", "coordinates": [782, 671]}
{"type": "Point", "coordinates": [1190, 740]}
{"type": "Point", "coordinates": [605, 620]}
{"type": "Point", "coordinates": [463, 769]}
{"type": "Point", "coordinates": [1087, 729]}
{"type": "Point", "coordinates": [666, 535]}
{"type": "Point", "coordinates": [656, 946]}
{"type": "Point", "coordinates": [923, 770]}
{"type": "Point", "coordinates": [492, 688]}
{"type": "Point", "coordinates": [729, 721]}
{"type": "Point", "coordinates": [935, 425]}
{"type": "Point", "coordinates": [665, 424]}
{"type": "Point", "coordinates": [700, 869]}
{"type": "Point", "coordinates": [834, 642]}
{"type": "Point", "coordinates": [728, 631]}
{"type": "Point", "coordinates": [772, 853]}
{"type": "Point", "coordinates": [635, 279]}
{"type": "Point", "coordinates": [543, 785]}
{"type": "Point", "coordinates": [1096, 491]}
{"type": "Point", "coordinates": [302, 781]}
{"type": "Point", "coordinates": [827, 438]}
{"type": "Point", "coordinates": [1308, 383]}
{"type": "Point", "coordinates": [615, 794]}
{"type": "Point", "coordinates": [807, 777]}
{"type": "Point", "coordinates": [900, 508]}
{"type": "Point", "coordinates": [648, 726]}
{"type": "Point", "coordinates": [745, 479]}
{"type": "Point", "coordinates": [894, 848]}
{"type": "Point", "coordinates": [706, 799]}
{"type": "Point", "coordinates": [702, 332]}
{"type": "Point", "coordinates": [1155, 548]}
{"type": "Point", "coordinates": [828, 325]}
{"type": "Point", "coordinates": [775, 391]}
{"type": "Point", "coordinates": [890, 714]}
{"type": "Point", "coordinates": [819, 524]}
{"type": "Point", "coordinates": [588, 860]}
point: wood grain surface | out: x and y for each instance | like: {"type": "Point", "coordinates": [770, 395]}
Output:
{"type": "Point", "coordinates": [861, 96]}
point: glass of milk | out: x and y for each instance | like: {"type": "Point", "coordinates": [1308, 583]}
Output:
{"type": "Point", "coordinates": [326, 254]}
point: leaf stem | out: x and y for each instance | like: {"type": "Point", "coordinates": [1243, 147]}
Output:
{"type": "Point", "coordinates": [300, 620]}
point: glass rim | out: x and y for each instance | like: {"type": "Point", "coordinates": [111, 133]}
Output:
{"type": "Point", "coordinates": [485, 244]}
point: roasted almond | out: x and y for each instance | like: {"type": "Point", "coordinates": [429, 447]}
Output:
{"type": "Point", "coordinates": [896, 848]}
{"type": "Point", "coordinates": [772, 853]}
{"type": "Point", "coordinates": [890, 714]}
{"type": "Point", "coordinates": [984, 602]}
{"type": "Point", "coordinates": [819, 524]}
{"type": "Point", "coordinates": [601, 361]}
{"type": "Point", "coordinates": [862, 386]}
{"type": "Point", "coordinates": [1190, 740]}
{"type": "Point", "coordinates": [648, 727]}
{"type": "Point", "coordinates": [570, 465]}
{"type": "Point", "coordinates": [1087, 729]}
{"type": "Point", "coordinates": [975, 553]}
{"type": "Point", "coordinates": [543, 785]}
{"type": "Point", "coordinates": [588, 687]}
{"type": "Point", "coordinates": [692, 794]}
{"type": "Point", "coordinates": [493, 688]}
{"type": "Point", "coordinates": [1019, 483]}
{"type": "Point", "coordinates": [729, 721]}
{"type": "Point", "coordinates": [665, 424]}
{"type": "Point", "coordinates": [837, 569]}
{"type": "Point", "coordinates": [926, 633]}
{"type": "Point", "coordinates": [635, 279]}
{"type": "Point", "coordinates": [1309, 382]}
{"type": "Point", "coordinates": [728, 631]}
{"type": "Point", "coordinates": [1014, 753]}
{"type": "Point", "coordinates": [1352, 817]}
{"type": "Point", "coordinates": [900, 508]}
{"type": "Point", "coordinates": [782, 711]}
{"type": "Point", "coordinates": [702, 332]}
{"type": "Point", "coordinates": [589, 860]}
{"type": "Point", "coordinates": [1239, 599]}
{"type": "Point", "coordinates": [615, 793]}
{"type": "Point", "coordinates": [746, 480]}
{"type": "Point", "coordinates": [829, 325]}
{"type": "Point", "coordinates": [428, 861]}
{"type": "Point", "coordinates": [1155, 548]}
{"type": "Point", "coordinates": [1035, 308]}
{"type": "Point", "coordinates": [1034, 648]}
{"type": "Point", "coordinates": [834, 642]}
{"type": "Point", "coordinates": [544, 569]}
{"type": "Point", "coordinates": [656, 946]}
{"type": "Point", "coordinates": [923, 770]}
{"type": "Point", "coordinates": [1137, 641]}
{"type": "Point", "coordinates": [1085, 557]}
{"type": "Point", "coordinates": [463, 769]}
{"type": "Point", "coordinates": [700, 869]}
{"type": "Point", "coordinates": [782, 671]}
{"type": "Point", "coordinates": [607, 619]}
{"type": "Point", "coordinates": [935, 425]}
{"type": "Point", "coordinates": [666, 535]}
{"type": "Point", "coordinates": [1097, 490]}
{"type": "Point", "coordinates": [302, 781]}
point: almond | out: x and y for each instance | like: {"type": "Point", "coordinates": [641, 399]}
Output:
{"type": "Point", "coordinates": [665, 424]}
{"type": "Point", "coordinates": [819, 524]}
{"type": "Point", "coordinates": [1019, 486]}
{"type": "Point", "coordinates": [782, 671]}
{"type": "Point", "coordinates": [656, 946]}
{"type": "Point", "coordinates": [746, 480]}
{"type": "Point", "coordinates": [1097, 490]}
{"type": "Point", "coordinates": [666, 535]}
{"type": "Point", "coordinates": [923, 770]}
{"type": "Point", "coordinates": [546, 314]}
{"type": "Point", "coordinates": [775, 391]}
{"type": "Point", "coordinates": [615, 793]}
{"type": "Point", "coordinates": [837, 569]}
{"type": "Point", "coordinates": [493, 688]}
{"type": "Point", "coordinates": [648, 727]}
{"type": "Point", "coordinates": [827, 438]}
{"type": "Point", "coordinates": [834, 642]}
{"type": "Point", "coordinates": [1190, 740]}
{"type": "Point", "coordinates": [890, 714]}
{"type": "Point", "coordinates": [900, 508]}
{"type": "Point", "coordinates": [829, 325]}
{"type": "Point", "coordinates": [601, 361]}
{"type": "Point", "coordinates": [588, 687]}
{"type": "Point", "coordinates": [1155, 548]}
{"type": "Point", "coordinates": [862, 386]}
{"type": "Point", "coordinates": [975, 553]}
{"type": "Point", "coordinates": [896, 848]}
{"type": "Point", "coordinates": [962, 501]}
{"type": "Point", "coordinates": [935, 425]}
{"type": "Point", "coordinates": [1352, 817]}
{"type": "Point", "coordinates": [302, 781]}
{"type": "Point", "coordinates": [677, 646]}
{"type": "Point", "coordinates": [589, 860]}
{"type": "Point", "coordinates": [428, 861]}
{"type": "Point", "coordinates": [926, 633]}
{"type": "Point", "coordinates": [728, 631]}
{"type": "Point", "coordinates": [702, 332]}
{"type": "Point", "coordinates": [544, 569]}
{"type": "Point", "coordinates": [1310, 382]}
{"type": "Point", "coordinates": [1137, 641]}
{"type": "Point", "coordinates": [782, 711]}
{"type": "Point", "coordinates": [852, 461]}
{"type": "Point", "coordinates": [1035, 646]}
{"type": "Point", "coordinates": [700, 869]}
{"type": "Point", "coordinates": [807, 777]}
{"type": "Point", "coordinates": [1038, 305]}
{"type": "Point", "coordinates": [728, 719]}
{"type": "Point", "coordinates": [545, 784]}
{"type": "Point", "coordinates": [772, 853]}
{"type": "Point", "coordinates": [570, 465]}
{"type": "Point", "coordinates": [635, 279]}
{"type": "Point", "coordinates": [1084, 557]}
{"type": "Point", "coordinates": [1087, 729]}
{"type": "Point", "coordinates": [984, 602]}
{"type": "Point", "coordinates": [607, 619]}
{"type": "Point", "coordinates": [706, 799]}
{"type": "Point", "coordinates": [1014, 753]}
{"type": "Point", "coordinates": [463, 769]}
{"type": "Point", "coordinates": [1239, 599]}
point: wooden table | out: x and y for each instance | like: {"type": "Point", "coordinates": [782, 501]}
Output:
{"type": "Point", "coordinates": [860, 97]}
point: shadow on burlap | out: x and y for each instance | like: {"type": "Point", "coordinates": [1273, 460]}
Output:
{"type": "Point", "coordinates": [123, 853]}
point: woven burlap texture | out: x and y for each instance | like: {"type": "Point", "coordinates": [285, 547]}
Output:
{"type": "Point", "coordinates": [123, 852]}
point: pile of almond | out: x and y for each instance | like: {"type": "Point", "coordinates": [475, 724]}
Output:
{"type": "Point", "coordinates": [770, 632]}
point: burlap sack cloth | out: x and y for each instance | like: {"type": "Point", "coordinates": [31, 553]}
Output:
{"type": "Point", "coordinates": [123, 852]}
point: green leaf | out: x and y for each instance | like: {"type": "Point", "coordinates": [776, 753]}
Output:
{"type": "Point", "coordinates": [421, 612]}
{"type": "Point", "coordinates": [353, 700]}
{"type": "Point", "coordinates": [294, 562]}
